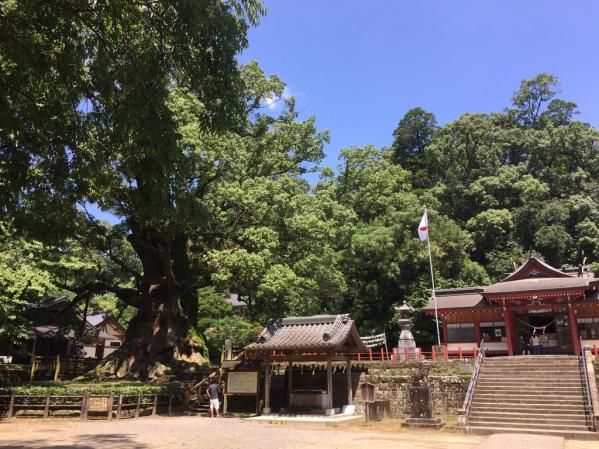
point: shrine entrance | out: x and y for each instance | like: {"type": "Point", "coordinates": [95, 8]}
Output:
{"type": "Point", "coordinates": [552, 327]}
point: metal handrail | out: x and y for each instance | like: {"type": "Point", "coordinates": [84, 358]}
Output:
{"type": "Point", "coordinates": [474, 378]}
{"type": "Point", "coordinates": [587, 388]}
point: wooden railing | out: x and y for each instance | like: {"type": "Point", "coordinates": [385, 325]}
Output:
{"type": "Point", "coordinates": [409, 355]}
{"type": "Point", "coordinates": [117, 406]}
{"type": "Point", "coordinates": [55, 368]}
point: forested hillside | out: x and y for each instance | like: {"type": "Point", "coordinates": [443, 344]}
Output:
{"type": "Point", "coordinates": [210, 190]}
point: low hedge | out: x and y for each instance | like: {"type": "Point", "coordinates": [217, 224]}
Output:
{"type": "Point", "coordinates": [103, 388]}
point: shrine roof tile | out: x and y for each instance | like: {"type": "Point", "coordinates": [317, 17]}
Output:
{"type": "Point", "coordinates": [537, 284]}
{"type": "Point", "coordinates": [313, 333]}
{"type": "Point", "coordinates": [457, 301]}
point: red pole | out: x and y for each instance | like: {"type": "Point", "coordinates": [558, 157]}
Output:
{"type": "Point", "coordinates": [407, 355]}
{"type": "Point", "coordinates": [446, 352]}
{"type": "Point", "coordinates": [574, 330]}
{"type": "Point", "coordinates": [460, 352]}
{"type": "Point", "coordinates": [394, 356]}
{"type": "Point", "coordinates": [382, 354]}
{"type": "Point", "coordinates": [370, 354]}
{"type": "Point", "coordinates": [434, 355]}
{"type": "Point", "coordinates": [359, 357]}
{"type": "Point", "coordinates": [474, 352]}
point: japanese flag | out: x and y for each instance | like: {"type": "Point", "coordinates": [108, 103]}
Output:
{"type": "Point", "coordinates": [423, 227]}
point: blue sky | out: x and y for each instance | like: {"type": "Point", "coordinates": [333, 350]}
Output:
{"type": "Point", "coordinates": [358, 66]}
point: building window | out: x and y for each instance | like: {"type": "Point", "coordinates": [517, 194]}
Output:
{"type": "Point", "coordinates": [460, 332]}
{"type": "Point", "coordinates": [588, 328]}
{"type": "Point", "coordinates": [492, 330]}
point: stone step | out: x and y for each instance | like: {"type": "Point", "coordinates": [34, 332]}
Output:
{"type": "Point", "coordinates": [512, 358]}
{"type": "Point", "coordinates": [524, 389]}
{"type": "Point", "coordinates": [528, 418]}
{"type": "Point", "coordinates": [573, 434]}
{"type": "Point", "coordinates": [528, 397]}
{"type": "Point", "coordinates": [575, 410]}
{"type": "Point", "coordinates": [528, 368]}
{"type": "Point", "coordinates": [523, 377]}
{"type": "Point", "coordinates": [527, 425]}
{"type": "Point", "coordinates": [526, 383]}
{"type": "Point", "coordinates": [529, 373]}
{"type": "Point", "coordinates": [530, 361]}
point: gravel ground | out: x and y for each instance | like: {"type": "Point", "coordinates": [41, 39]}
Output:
{"type": "Point", "coordinates": [225, 433]}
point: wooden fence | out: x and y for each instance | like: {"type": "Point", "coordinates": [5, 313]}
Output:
{"type": "Point", "coordinates": [95, 406]}
{"type": "Point", "coordinates": [56, 368]}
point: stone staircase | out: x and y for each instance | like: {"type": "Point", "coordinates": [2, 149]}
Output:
{"type": "Point", "coordinates": [530, 394]}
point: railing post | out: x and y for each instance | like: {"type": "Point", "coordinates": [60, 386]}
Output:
{"type": "Point", "coordinates": [446, 353]}
{"type": "Point", "coordinates": [119, 407]}
{"type": "Point", "coordinates": [110, 405]}
{"type": "Point", "coordinates": [47, 407]}
{"type": "Point", "coordinates": [155, 405]}
{"type": "Point", "coordinates": [138, 406]}
{"type": "Point", "coordinates": [382, 354]}
{"type": "Point", "coordinates": [433, 354]}
{"type": "Point", "coordinates": [33, 366]}
{"type": "Point", "coordinates": [57, 368]}
{"type": "Point", "coordinates": [11, 406]}
{"type": "Point", "coordinates": [460, 353]}
{"type": "Point", "coordinates": [394, 356]}
{"type": "Point", "coordinates": [370, 354]}
{"type": "Point", "coordinates": [407, 354]}
{"type": "Point", "coordinates": [359, 357]}
{"type": "Point", "coordinates": [84, 406]}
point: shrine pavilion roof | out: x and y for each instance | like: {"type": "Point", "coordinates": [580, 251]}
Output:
{"type": "Point", "coordinates": [457, 301]}
{"type": "Point", "coordinates": [538, 284]}
{"type": "Point", "coordinates": [319, 333]}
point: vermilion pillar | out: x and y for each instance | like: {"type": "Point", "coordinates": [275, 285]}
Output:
{"type": "Point", "coordinates": [573, 329]}
{"type": "Point", "coordinates": [508, 330]}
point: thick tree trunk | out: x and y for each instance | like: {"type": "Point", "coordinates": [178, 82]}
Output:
{"type": "Point", "coordinates": [157, 341]}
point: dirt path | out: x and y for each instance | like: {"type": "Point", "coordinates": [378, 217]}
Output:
{"type": "Point", "coordinates": [230, 433]}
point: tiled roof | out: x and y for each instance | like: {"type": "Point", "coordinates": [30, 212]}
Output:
{"type": "Point", "coordinates": [314, 333]}
{"type": "Point", "coordinates": [457, 301]}
{"type": "Point", "coordinates": [537, 284]}
{"type": "Point", "coordinates": [96, 318]}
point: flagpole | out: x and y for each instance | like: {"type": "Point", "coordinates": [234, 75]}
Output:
{"type": "Point", "coordinates": [430, 259]}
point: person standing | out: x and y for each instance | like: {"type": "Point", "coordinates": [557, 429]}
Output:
{"type": "Point", "coordinates": [212, 394]}
{"type": "Point", "coordinates": [536, 345]}
{"type": "Point", "coordinates": [525, 339]}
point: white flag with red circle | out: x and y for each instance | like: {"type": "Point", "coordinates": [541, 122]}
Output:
{"type": "Point", "coordinates": [423, 227]}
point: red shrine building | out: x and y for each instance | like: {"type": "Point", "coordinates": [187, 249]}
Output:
{"type": "Point", "coordinates": [560, 306]}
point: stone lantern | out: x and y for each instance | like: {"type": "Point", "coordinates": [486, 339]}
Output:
{"type": "Point", "coordinates": [406, 346]}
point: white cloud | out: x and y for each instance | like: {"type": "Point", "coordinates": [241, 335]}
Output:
{"type": "Point", "coordinates": [274, 102]}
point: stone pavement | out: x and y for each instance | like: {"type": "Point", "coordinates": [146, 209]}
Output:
{"type": "Point", "coordinates": [521, 441]}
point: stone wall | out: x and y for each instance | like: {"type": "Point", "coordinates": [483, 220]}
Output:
{"type": "Point", "coordinates": [392, 383]}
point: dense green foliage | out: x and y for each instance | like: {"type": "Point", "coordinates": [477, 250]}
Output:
{"type": "Point", "coordinates": [80, 388]}
{"type": "Point", "coordinates": [141, 110]}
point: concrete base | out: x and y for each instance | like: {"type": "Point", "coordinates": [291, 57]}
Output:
{"type": "Point", "coordinates": [335, 420]}
{"type": "Point", "coordinates": [429, 423]}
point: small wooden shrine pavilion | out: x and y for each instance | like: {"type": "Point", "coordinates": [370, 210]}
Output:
{"type": "Point", "coordinates": [320, 338]}
{"type": "Point", "coordinates": [561, 306]}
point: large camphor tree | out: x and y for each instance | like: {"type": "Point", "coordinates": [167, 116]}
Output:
{"type": "Point", "coordinates": [138, 109]}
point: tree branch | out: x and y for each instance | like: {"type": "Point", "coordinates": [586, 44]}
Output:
{"type": "Point", "coordinates": [129, 296]}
